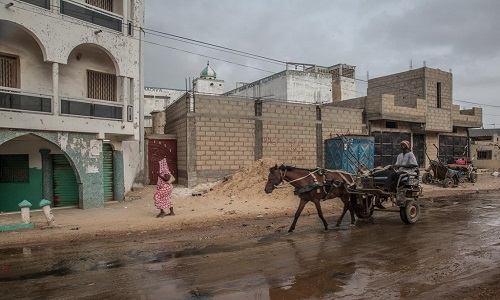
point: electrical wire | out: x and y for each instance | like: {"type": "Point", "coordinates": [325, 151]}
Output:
{"type": "Point", "coordinates": [137, 39]}
{"type": "Point", "coordinates": [215, 47]}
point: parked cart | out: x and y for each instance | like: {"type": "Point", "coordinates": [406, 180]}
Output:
{"type": "Point", "coordinates": [439, 172]}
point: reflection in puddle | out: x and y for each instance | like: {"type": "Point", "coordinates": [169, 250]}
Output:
{"type": "Point", "coordinates": [37, 275]}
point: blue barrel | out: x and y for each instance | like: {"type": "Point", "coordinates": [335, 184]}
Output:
{"type": "Point", "coordinates": [348, 153]}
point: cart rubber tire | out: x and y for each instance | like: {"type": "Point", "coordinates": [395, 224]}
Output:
{"type": "Point", "coordinates": [360, 208]}
{"type": "Point", "coordinates": [473, 177]}
{"type": "Point", "coordinates": [410, 213]}
{"type": "Point", "coordinates": [447, 182]}
{"type": "Point", "coordinates": [426, 178]}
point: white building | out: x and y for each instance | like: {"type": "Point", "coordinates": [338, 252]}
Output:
{"type": "Point", "coordinates": [485, 148]}
{"type": "Point", "coordinates": [71, 80]}
{"type": "Point", "coordinates": [309, 84]}
{"type": "Point", "coordinates": [156, 100]}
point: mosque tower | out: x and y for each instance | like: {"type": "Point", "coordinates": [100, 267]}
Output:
{"type": "Point", "coordinates": [208, 83]}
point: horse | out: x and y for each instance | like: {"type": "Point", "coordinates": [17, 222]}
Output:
{"type": "Point", "coordinates": [313, 185]}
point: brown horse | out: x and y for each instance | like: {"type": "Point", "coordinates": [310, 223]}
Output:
{"type": "Point", "coordinates": [313, 185]}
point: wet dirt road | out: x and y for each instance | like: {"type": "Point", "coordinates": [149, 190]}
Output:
{"type": "Point", "coordinates": [452, 252]}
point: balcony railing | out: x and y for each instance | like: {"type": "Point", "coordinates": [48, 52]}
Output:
{"type": "Point", "coordinates": [90, 108]}
{"type": "Point", "coordinates": [41, 3]}
{"type": "Point", "coordinates": [18, 101]}
{"type": "Point", "coordinates": [90, 14]}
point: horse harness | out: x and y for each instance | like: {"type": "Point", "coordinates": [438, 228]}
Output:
{"type": "Point", "coordinates": [326, 186]}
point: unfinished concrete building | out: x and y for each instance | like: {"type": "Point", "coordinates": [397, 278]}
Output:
{"type": "Point", "coordinates": [416, 105]}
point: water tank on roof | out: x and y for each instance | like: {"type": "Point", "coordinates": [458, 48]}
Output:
{"type": "Point", "coordinates": [348, 153]}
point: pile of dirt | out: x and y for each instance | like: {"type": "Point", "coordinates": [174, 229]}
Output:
{"type": "Point", "coordinates": [250, 181]}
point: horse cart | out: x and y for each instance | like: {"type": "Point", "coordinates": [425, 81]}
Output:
{"type": "Point", "coordinates": [370, 196]}
{"type": "Point", "coordinates": [360, 193]}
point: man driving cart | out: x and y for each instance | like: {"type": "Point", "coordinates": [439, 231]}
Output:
{"type": "Point", "coordinates": [406, 163]}
{"type": "Point", "coordinates": [397, 183]}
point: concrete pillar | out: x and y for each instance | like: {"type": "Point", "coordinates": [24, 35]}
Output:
{"type": "Point", "coordinates": [45, 205]}
{"type": "Point", "coordinates": [125, 96]}
{"type": "Point", "coordinates": [55, 88]}
{"type": "Point", "coordinates": [25, 211]}
{"type": "Point", "coordinates": [125, 17]}
{"type": "Point", "coordinates": [47, 174]}
{"type": "Point", "coordinates": [55, 5]}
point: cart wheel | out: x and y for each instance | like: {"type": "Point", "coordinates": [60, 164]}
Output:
{"type": "Point", "coordinates": [363, 206]}
{"type": "Point", "coordinates": [447, 182]}
{"type": "Point", "coordinates": [473, 177]}
{"type": "Point", "coordinates": [426, 178]}
{"type": "Point", "coordinates": [410, 213]}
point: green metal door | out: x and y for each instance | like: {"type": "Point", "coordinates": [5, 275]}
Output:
{"type": "Point", "coordinates": [65, 186]}
{"type": "Point", "coordinates": [107, 175]}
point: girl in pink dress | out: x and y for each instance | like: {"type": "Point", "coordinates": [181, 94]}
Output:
{"type": "Point", "coordinates": [163, 195]}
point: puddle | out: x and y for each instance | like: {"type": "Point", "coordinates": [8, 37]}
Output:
{"type": "Point", "coordinates": [381, 257]}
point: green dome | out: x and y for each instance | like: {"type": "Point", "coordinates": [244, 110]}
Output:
{"type": "Point", "coordinates": [208, 72]}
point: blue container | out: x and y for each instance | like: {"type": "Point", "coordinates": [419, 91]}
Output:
{"type": "Point", "coordinates": [349, 152]}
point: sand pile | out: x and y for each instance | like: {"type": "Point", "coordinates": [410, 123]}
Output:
{"type": "Point", "coordinates": [250, 181]}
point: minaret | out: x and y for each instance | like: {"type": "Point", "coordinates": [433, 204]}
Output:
{"type": "Point", "coordinates": [207, 83]}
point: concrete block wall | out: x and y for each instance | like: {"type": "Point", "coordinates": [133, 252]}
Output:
{"type": "Point", "coordinates": [405, 86]}
{"type": "Point", "coordinates": [373, 105]}
{"type": "Point", "coordinates": [380, 125]}
{"type": "Point", "coordinates": [438, 119]}
{"type": "Point", "coordinates": [225, 136]}
{"type": "Point", "coordinates": [176, 124]}
{"type": "Point", "coordinates": [289, 133]}
{"type": "Point", "coordinates": [158, 122]}
{"type": "Point", "coordinates": [467, 117]}
{"type": "Point", "coordinates": [352, 103]}
{"type": "Point", "coordinates": [340, 120]}
{"type": "Point", "coordinates": [432, 77]}
{"type": "Point", "coordinates": [431, 139]}
{"type": "Point", "coordinates": [416, 110]}
{"type": "Point", "coordinates": [414, 84]}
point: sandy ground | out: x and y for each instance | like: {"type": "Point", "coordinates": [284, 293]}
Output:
{"type": "Point", "coordinates": [240, 197]}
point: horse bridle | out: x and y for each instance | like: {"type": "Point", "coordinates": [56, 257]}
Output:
{"type": "Point", "coordinates": [283, 174]}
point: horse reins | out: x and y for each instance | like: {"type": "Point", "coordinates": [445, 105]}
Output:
{"type": "Point", "coordinates": [283, 174]}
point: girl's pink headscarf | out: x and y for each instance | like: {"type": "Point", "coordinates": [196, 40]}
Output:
{"type": "Point", "coordinates": [164, 170]}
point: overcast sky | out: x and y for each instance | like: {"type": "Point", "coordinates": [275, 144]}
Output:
{"type": "Point", "coordinates": [378, 37]}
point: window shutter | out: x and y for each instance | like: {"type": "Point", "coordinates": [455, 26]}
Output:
{"type": "Point", "coordinates": [103, 4]}
{"type": "Point", "coordinates": [8, 71]}
{"type": "Point", "coordinates": [101, 86]}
